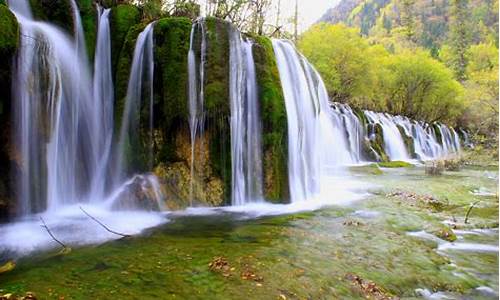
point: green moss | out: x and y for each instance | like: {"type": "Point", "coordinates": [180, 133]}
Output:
{"type": "Point", "coordinates": [299, 256]}
{"type": "Point", "coordinates": [375, 147]}
{"type": "Point", "coordinates": [171, 37]}
{"type": "Point", "coordinates": [2, 2]}
{"type": "Point", "coordinates": [122, 18]}
{"type": "Point", "coordinates": [395, 164]}
{"type": "Point", "coordinates": [372, 169]}
{"type": "Point", "coordinates": [9, 42]}
{"type": "Point", "coordinates": [88, 14]}
{"type": "Point", "coordinates": [59, 13]}
{"type": "Point", "coordinates": [133, 153]}
{"type": "Point", "coordinates": [361, 116]}
{"type": "Point", "coordinates": [217, 104]}
{"type": "Point", "coordinates": [408, 141]}
{"type": "Point", "coordinates": [437, 131]}
{"type": "Point", "coordinates": [274, 121]}
{"type": "Point", "coordinates": [9, 35]}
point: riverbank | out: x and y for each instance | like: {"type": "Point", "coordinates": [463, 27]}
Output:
{"type": "Point", "coordinates": [407, 239]}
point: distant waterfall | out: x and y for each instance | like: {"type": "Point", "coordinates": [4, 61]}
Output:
{"type": "Point", "coordinates": [139, 90]}
{"type": "Point", "coordinates": [353, 128]}
{"type": "Point", "coordinates": [196, 91]}
{"type": "Point", "coordinates": [316, 140]}
{"type": "Point", "coordinates": [246, 131]}
{"type": "Point", "coordinates": [428, 144]}
{"type": "Point", "coordinates": [393, 141]}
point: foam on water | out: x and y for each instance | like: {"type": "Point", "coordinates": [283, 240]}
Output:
{"type": "Point", "coordinates": [72, 227]}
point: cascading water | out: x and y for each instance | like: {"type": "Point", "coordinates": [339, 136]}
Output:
{"type": "Point", "coordinates": [246, 131]}
{"type": "Point", "coordinates": [79, 34]}
{"type": "Point", "coordinates": [394, 144]}
{"type": "Point", "coordinates": [64, 118]}
{"type": "Point", "coordinates": [103, 98]}
{"type": "Point", "coordinates": [196, 93]}
{"type": "Point", "coordinates": [316, 144]}
{"type": "Point", "coordinates": [353, 128]}
{"type": "Point", "coordinates": [50, 113]}
{"type": "Point", "coordinates": [140, 89]}
{"type": "Point", "coordinates": [427, 143]}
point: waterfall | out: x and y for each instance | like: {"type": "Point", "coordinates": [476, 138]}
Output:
{"type": "Point", "coordinates": [196, 93]}
{"type": "Point", "coordinates": [246, 131]}
{"type": "Point", "coordinates": [103, 98]}
{"type": "Point", "coordinates": [79, 34]}
{"type": "Point", "coordinates": [316, 143]}
{"type": "Point", "coordinates": [140, 88]}
{"type": "Point", "coordinates": [427, 143]}
{"type": "Point", "coordinates": [49, 116]}
{"type": "Point", "coordinates": [63, 121]}
{"type": "Point", "coordinates": [393, 141]}
{"type": "Point", "coordinates": [353, 129]}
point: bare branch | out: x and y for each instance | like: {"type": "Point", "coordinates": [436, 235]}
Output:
{"type": "Point", "coordinates": [104, 226]}
{"type": "Point", "coordinates": [51, 235]}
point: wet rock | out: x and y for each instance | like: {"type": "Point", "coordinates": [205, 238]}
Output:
{"type": "Point", "coordinates": [446, 234]}
{"type": "Point", "coordinates": [435, 167]}
{"type": "Point", "coordinates": [142, 192]}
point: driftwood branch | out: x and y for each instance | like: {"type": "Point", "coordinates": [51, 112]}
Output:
{"type": "Point", "coordinates": [469, 210]}
{"type": "Point", "coordinates": [103, 226]}
{"type": "Point", "coordinates": [51, 235]}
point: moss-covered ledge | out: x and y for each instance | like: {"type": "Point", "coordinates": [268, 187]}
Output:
{"type": "Point", "coordinates": [88, 14]}
{"type": "Point", "coordinates": [138, 159]}
{"type": "Point", "coordinates": [58, 12]}
{"type": "Point", "coordinates": [375, 145]}
{"type": "Point", "coordinates": [274, 121]}
{"type": "Point", "coordinates": [171, 36]}
{"type": "Point", "coordinates": [9, 43]}
{"type": "Point", "coordinates": [408, 141]}
{"type": "Point", "coordinates": [122, 18]}
{"type": "Point", "coordinates": [217, 104]}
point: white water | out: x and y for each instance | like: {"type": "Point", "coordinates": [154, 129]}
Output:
{"type": "Point", "coordinates": [63, 127]}
{"type": "Point", "coordinates": [246, 131]}
{"type": "Point", "coordinates": [426, 141]}
{"type": "Point", "coordinates": [76, 114]}
{"type": "Point", "coordinates": [51, 116]}
{"type": "Point", "coordinates": [393, 141]}
{"type": "Point", "coordinates": [317, 145]}
{"type": "Point", "coordinates": [139, 90]}
{"type": "Point", "coordinates": [353, 129]}
{"type": "Point", "coordinates": [103, 98]}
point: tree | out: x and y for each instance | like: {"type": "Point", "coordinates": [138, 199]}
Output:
{"type": "Point", "coordinates": [340, 55]}
{"type": "Point", "coordinates": [409, 82]}
{"type": "Point", "coordinates": [482, 90]}
{"type": "Point", "coordinates": [459, 37]}
{"type": "Point", "coordinates": [423, 88]}
{"type": "Point", "coordinates": [408, 19]}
